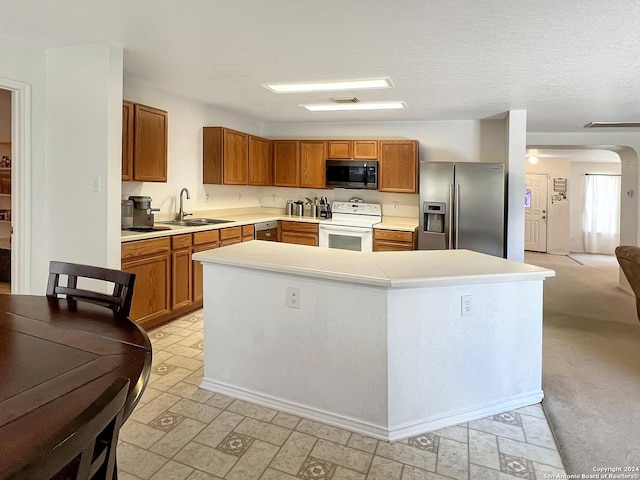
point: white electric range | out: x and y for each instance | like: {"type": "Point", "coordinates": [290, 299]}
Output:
{"type": "Point", "coordinates": [351, 226]}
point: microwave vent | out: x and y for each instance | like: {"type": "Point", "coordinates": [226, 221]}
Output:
{"type": "Point", "coordinates": [344, 100]}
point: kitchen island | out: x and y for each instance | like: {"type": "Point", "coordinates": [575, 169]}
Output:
{"type": "Point", "coordinates": [387, 344]}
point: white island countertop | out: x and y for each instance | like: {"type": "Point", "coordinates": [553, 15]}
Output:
{"type": "Point", "coordinates": [423, 268]}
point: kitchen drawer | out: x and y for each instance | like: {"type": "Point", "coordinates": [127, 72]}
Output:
{"type": "Point", "coordinates": [230, 232]}
{"type": "Point", "coordinates": [181, 241]}
{"type": "Point", "coordinates": [210, 236]}
{"type": "Point", "coordinates": [300, 226]}
{"type": "Point", "coordinates": [143, 248]}
{"type": "Point", "coordinates": [247, 231]}
{"type": "Point", "coordinates": [392, 247]}
{"type": "Point", "coordinates": [393, 235]}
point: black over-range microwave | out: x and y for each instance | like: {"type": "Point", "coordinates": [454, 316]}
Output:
{"type": "Point", "coordinates": [352, 174]}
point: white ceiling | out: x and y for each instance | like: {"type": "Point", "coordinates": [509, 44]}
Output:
{"type": "Point", "coordinates": [566, 62]}
{"type": "Point", "coordinates": [575, 154]}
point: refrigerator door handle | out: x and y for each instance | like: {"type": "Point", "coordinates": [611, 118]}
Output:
{"type": "Point", "coordinates": [451, 206]}
{"type": "Point", "coordinates": [457, 203]}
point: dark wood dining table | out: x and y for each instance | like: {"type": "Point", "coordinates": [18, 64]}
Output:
{"type": "Point", "coordinates": [56, 357]}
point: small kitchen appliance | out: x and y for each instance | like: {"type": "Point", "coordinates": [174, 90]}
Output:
{"type": "Point", "coordinates": [126, 219]}
{"type": "Point", "coordinates": [350, 226]}
{"type": "Point", "coordinates": [142, 212]}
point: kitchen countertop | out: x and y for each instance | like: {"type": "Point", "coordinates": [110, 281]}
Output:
{"type": "Point", "coordinates": [238, 217]}
{"type": "Point", "coordinates": [424, 268]}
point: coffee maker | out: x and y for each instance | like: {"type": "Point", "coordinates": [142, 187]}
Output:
{"type": "Point", "coordinates": [142, 212]}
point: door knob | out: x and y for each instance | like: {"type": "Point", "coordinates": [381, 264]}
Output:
{"type": "Point", "coordinates": [544, 218]}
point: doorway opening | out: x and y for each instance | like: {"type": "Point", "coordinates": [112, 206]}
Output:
{"type": "Point", "coordinates": [566, 169]}
{"type": "Point", "coordinates": [5, 191]}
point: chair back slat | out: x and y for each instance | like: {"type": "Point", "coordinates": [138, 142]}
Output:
{"type": "Point", "coordinates": [119, 300]}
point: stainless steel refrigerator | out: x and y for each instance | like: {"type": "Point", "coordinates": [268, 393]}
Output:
{"type": "Point", "coordinates": [462, 205]}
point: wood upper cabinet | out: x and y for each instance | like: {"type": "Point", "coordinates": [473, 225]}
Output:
{"type": "Point", "coordinates": [260, 161]}
{"type": "Point", "coordinates": [127, 141]}
{"type": "Point", "coordinates": [365, 149]}
{"type": "Point", "coordinates": [150, 129]}
{"type": "Point", "coordinates": [398, 166]}
{"type": "Point", "coordinates": [340, 149]}
{"type": "Point", "coordinates": [225, 156]}
{"type": "Point", "coordinates": [286, 163]}
{"type": "Point", "coordinates": [313, 157]}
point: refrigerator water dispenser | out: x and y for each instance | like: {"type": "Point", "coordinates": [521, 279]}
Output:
{"type": "Point", "coordinates": [433, 216]}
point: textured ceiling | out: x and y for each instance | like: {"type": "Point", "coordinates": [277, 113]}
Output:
{"type": "Point", "coordinates": [566, 62]}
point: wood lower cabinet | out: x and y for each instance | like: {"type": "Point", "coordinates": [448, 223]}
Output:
{"type": "Point", "coordinates": [150, 260]}
{"type": "Point", "coordinates": [301, 233]}
{"type": "Point", "coordinates": [393, 240]}
{"type": "Point", "coordinates": [230, 236]}
{"type": "Point", "coordinates": [202, 241]}
{"type": "Point", "coordinates": [150, 132]}
{"type": "Point", "coordinates": [398, 166]}
{"type": "Point", "coordinates": [181, 271]}
{"type": "Point", "coordinates": [248, 232]}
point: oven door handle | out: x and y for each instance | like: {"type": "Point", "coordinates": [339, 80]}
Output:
{"type": "Point", "coordinates": [342, 228]}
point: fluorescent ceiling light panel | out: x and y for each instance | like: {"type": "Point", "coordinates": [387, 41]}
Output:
{"type": "Point", "coordinates": [330, 86]}
{"type": "Point", "coordinates": [332, 107]}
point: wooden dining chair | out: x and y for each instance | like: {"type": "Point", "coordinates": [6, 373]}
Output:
{"type": "Point", "coordinates": [629, 259]}
{"type": "Point", "coordinates": [119, 301]}
{"type": "Point", "coordinates": [86, 449]}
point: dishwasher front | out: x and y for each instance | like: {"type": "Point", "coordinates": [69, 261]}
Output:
{"type": "Point", "coordinates": [267, 231]}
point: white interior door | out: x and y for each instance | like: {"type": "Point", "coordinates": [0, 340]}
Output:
{"type": "Point", "coordinates": [535, 212]}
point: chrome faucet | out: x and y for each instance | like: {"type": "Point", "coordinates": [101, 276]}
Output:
{"type": "Point", "coordinates": [181, 213]}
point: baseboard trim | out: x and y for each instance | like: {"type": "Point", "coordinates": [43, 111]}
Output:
{"type": "Point", "coordinates": [293, 408]}
{"type": "Point", "coordinates": [380, 432]}
{"type": "Point", "coordinates": [418, 427]}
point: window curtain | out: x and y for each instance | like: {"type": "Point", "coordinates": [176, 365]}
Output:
{"type": "Point", "coordinates": [601, 217]}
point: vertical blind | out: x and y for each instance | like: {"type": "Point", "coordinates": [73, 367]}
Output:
{"type": "Point", "coordinates": [601, 218]}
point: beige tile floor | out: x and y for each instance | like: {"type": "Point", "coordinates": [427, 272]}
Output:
{"type": "Point", "coordinates": [180, 431]}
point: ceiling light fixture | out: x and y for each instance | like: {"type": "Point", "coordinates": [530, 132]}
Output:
{"type": "Point", "coordinates": [332, 107]}
{"type": "Point", "coordinates": [533, 159]}
{"type": "Point", "coordinates": [329, 86]}
{"type": "Point", "coordinates": [612, 125]}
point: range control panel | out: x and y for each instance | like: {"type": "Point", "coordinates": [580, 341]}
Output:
{"type": "Point", "coordinates": [357, 208]}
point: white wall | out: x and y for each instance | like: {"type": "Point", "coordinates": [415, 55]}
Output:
{"type": "Point", "coordinates": [577, 182]}
{"type": "Point", "coordinates": [84, 115]}
{"type": "Point", "coordinates": [186, 119]}
{"type": "Point", "coordinates": [558, 214]}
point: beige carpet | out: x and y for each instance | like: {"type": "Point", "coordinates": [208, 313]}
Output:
{"type": "Point", "coordinates": [591, 364]}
